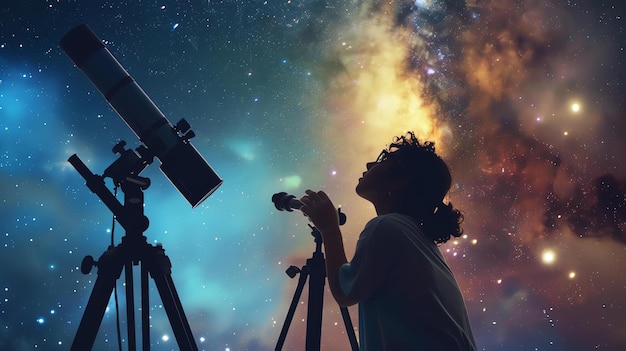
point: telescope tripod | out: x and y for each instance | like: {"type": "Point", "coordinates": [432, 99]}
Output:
{"type": "Point", "coordinates": [315, 269]}
{"type": "Point", "coordinates": [132, 251]}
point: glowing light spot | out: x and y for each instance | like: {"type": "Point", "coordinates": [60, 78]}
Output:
{"type": "Point", "coordinates": [40, 320]}
{"type": "Point", "coordinates": [548, 257]}
{"type": "Point", "coordinates": [165, 337]}
{"type": "Point", "coordinates": [245, 149]}
{"type": "Point", "coordinates": [474, 241]}
{"type": "Point", "coordinates": [572, 275]}
{"type": "Point", "coordinates": [575, 107]}
{"type": "Point", "coordinates": [423, 3]}
{"type": "Point", "coordinates": [499, 281]}
{"type": "Point", "coordinates": [292, 181]}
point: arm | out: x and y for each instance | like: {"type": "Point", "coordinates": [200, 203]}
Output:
{"type": "Point", "coordinates": [322, 213]}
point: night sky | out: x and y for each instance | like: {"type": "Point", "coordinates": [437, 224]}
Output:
{"type": "Point", "coordinates": [524, 100]}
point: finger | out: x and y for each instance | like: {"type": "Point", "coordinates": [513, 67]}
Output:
{"type": "Point", "coordinates": [323, 196]}
{"type": "Point", "coordinates": [306, 200]}
{"type": "Point", "coordinates": [311, 196]}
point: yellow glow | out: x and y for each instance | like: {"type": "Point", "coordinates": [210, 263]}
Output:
{"type": "Point", "coordinates": [548, 257]}
{"type": "Point", "coordinates": [373, 97]}
{"type": "Point", "coordinates": [572, 275]}
{"type": "Point", "coordinates": [575, 107]}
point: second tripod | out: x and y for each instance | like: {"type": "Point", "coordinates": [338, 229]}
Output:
{"type": "Point", "coordinates": [315, 271]}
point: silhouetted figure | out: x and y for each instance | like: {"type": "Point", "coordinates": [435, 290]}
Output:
{"type": "Point", "coordinates": [408, 297]}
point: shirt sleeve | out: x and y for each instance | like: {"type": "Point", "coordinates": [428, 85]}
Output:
{"type": "Point", "coordinates": [372, 260]}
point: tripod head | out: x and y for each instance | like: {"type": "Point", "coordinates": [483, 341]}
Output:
{"type": "Point", "coordinates": [125, 172]}
{"type": "Point", "coordinates": [129, 165]}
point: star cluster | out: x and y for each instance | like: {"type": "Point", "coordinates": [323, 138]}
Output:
{"type": "Point", "coordinates": [524, 100]}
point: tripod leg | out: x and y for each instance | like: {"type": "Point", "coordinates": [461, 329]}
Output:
{"type": "Point", "coordinates": [109, 270]}
{"type": "Point", "coordinates": [349, 328]}
{"type": "Point", "coordinates": [145, 308]}
{"type": "Point", "coordinates": [304, 274]}
{"type": "Point", "coordinates": [130, 307]}
{"type": "Point", "coordinates": [160, 270]}
{"type": "Point", "coordinates": [316, 302]}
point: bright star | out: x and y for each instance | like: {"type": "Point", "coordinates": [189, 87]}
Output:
{"type": "Point", "coordinates": [548, 257]}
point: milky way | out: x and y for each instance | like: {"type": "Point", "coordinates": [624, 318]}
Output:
{"type": "Point", "coordinates": [524, 101]}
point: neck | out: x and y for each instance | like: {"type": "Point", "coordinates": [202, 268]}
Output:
{"type": "Point", "coordinates": [383, 207]}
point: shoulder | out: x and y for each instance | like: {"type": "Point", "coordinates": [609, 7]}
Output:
{"type": "Point", "coordinates": [399, 228]}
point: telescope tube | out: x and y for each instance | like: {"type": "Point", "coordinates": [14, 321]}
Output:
{"type": "Point", "coordinates": [181, 163]}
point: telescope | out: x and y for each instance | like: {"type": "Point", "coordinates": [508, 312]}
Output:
{"type": "Point", "coordinates": [286, 202]}
{"type": "Point", "coordinates": [180, 161]}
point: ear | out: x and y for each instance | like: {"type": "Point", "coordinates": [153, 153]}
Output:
{"type": "Point", "coordinates": [400, 183]}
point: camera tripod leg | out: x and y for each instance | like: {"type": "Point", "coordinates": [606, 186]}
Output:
{"type": "Point", "coordinates": [317, 279]}
{"type": "Point", "coordinates": [304, 274]}
{"type": "Point", "coordinates": [349, 328]}
{"type": "Point", "coordinates": [315, 271]}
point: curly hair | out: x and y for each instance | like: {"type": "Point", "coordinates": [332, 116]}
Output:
{"type": "Point", "coordinates": [429, 182]}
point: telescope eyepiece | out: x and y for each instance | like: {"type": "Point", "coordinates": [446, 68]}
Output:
{"type": "Point", "coordinates": [286, 202]}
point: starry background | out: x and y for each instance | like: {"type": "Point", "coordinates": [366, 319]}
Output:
{"type": "Point", "coordinates": [524, 99]}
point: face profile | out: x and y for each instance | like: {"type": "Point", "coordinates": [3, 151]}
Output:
{"type": "Point", "coordinates": [377, 182]}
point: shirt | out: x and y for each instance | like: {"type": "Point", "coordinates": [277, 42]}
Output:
{"type": "Point", "coordinates": [408, 296]}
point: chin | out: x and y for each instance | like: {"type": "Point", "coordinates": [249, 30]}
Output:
{"type": "Point", "coordinates": [359, 191]}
